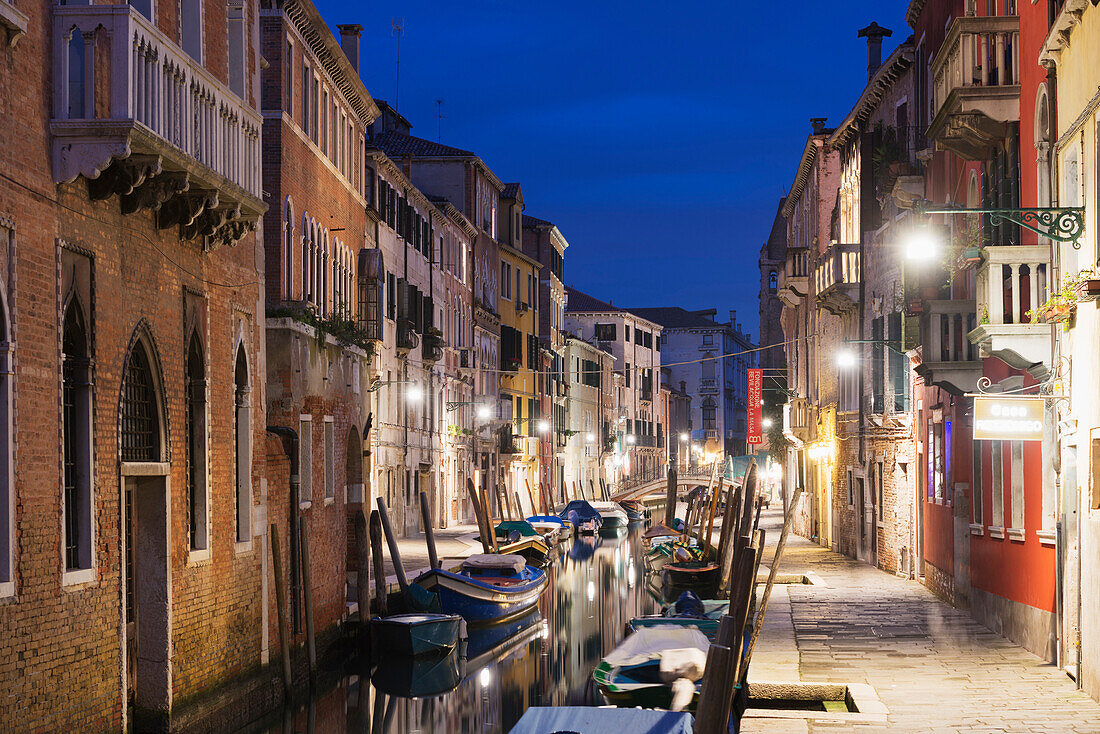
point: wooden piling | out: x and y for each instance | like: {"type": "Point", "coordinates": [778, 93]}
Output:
{"type": "Point", "coordinates": [395, 552]}
{"type": "Point", "coordinates": [715, 688]}
{"type": "Point", "coordinates": [381, 598]}
{"type": "Point", "coordinates": [744, 598]}
{"type": "Point", "coordinates": [531, 496]}
{"type": "Point", "coordinates": [362, 583]}
{"type": "Point", "coordinates": [759, 622]}
{"type": "Point", "coordinates": [307, 592]}
{"type": "Point", "coordinates": [280, 608]}
{"type": "Point", "coordinates": [479, 516]}
{"type": "Point", "coordinates": [670, 497]}
{"type": "Point", "coordinates": [710, 518]}
{"type": "Point", "coordinates": [490, 526]}
{"type": "Point", "coordinates": [429, 530]}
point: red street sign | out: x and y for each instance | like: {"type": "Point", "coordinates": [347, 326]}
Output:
{"type": "Point", "coordinates": [756, 397]}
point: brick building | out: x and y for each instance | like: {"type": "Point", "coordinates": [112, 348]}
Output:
{"type": "Point", "coordinates": [133, 553]}
{"type": "Point", "coordinates": [316, 113]}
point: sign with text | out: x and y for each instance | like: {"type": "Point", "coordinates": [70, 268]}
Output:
{"type": "Point", "coordinates": [1008, 419]}
{"type": "Point", "coordinates": [756, 397]}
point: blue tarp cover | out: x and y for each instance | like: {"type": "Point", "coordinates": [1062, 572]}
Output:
{"type": "Point", "coordinates": [584, 510]}
{"type": "Point", "coordinates": [590, 720]}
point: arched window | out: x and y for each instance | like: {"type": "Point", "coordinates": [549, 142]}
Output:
{"type": "Point", "coordinates": [288, 251]}
{"type": "Point", "coordinates": [140, 414]}
{"type": "Point", "coordinates": [196, 445]}
{"type": "Point", "coordinates": [773, 281]}
{"type": "Point", "coordinates": [7, 436]}
{"type": "Point", "coordinates": [242, 446]}
{"type": "Point", "coordinates": [305, 258]}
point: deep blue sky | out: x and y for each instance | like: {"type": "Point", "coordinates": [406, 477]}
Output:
{"type": "Point", "coordinates": [658, 136]}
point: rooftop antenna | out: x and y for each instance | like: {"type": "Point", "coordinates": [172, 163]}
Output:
{"type": "Point", "coordinates": [439, 114]}
{"type": "Point", "coordinates": [398, 33]}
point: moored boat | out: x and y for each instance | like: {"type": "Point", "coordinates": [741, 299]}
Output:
{"type": "Point", "coordinates": [488, 587]}
{"type": "Point", "coordinates": [551, 525]}
{"type": "Point", "coordinates": [420, 677]}
{"type": "Point", "coordinates": [688, 611]}
{"type": "Point", "coordinates": [611, 513]}
{"type": "Point", "coordinates": [631, 674]}
{"type": "Point", "coordinates": [535, 550]}
{"type": "Point", "coordinates": [417, 634]}
{"type": "Point", "coordinates": [696, 574]}
{"type": "Point", "coordinates": [636, 511]}
{"type": "Point", "coordinates": [584, 517]}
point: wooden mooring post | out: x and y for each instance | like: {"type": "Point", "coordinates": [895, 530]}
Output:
{"type": "Point", "coordinates": [280, 608]}
{"type": "Point", "coordinates": [380, 597]}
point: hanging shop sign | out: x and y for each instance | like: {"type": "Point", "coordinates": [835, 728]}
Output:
{"type": "Point", "coordinates": [756, 397]}
{"type": "Point", "coordinates": [1008, 419]}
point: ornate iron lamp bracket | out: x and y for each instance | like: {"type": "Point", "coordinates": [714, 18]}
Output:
{"type": "Point", "coordinates": [1065, 224]}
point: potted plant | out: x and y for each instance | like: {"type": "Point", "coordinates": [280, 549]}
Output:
{"type": "Point", "coordinates": [1086, 284]}
{"type": "Point", "coordinates": [1057, 309]}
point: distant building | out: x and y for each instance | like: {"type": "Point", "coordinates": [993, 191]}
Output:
{"type": "Point", "coordinates": [711, 358]}
{"type": "Point", "coordinates": [588, 434]}
{"type": "Point", "coordinates": [635, 342]}
{"type": "Point", "coordinates": [772, 262]}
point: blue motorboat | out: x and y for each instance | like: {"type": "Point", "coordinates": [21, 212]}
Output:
{"type": "Point", "coordinates": [584, 517]}
{"type": "Point", "coordinates": [488, 587]}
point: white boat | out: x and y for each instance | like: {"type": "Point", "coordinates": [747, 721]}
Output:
{"type": "Point", "coordinates": [613, 515]}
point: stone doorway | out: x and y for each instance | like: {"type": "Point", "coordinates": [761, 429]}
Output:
{"type": "Point", "coordinates": [147, 601]}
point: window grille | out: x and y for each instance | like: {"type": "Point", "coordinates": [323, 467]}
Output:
{"type": "Point", "coordinates": [139, 413]}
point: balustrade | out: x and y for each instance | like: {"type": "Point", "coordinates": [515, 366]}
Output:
{"type": "Point", "coordinates": [155, 86]}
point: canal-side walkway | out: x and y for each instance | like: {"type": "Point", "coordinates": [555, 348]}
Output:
{"type": "Point", "coordinates": [934, 667]}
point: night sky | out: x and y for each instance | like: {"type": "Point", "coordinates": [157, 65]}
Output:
{"type": "Point", "coordinates": [658, 136]}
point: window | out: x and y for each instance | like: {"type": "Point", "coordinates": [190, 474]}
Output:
{"type": "Point", "coordinates": [998, 494]}
{"type": "Point", "coordinates": [196, 445]}
{"type": "Point", "coordinates": [708, 340]}
{"type": "Point", "coordinates": [288, 251]}
{"type": "Point", "coordinates": [77, 438]}
{"type": "Point", "coordinates": [606, 332]}
{"type": "Point", "coordinates": [140, 416]}
{"type": "Point", "coordinates": [306, 76]}
{"type": "Point", "coordinates": [976, 486]}
{"type": "Point", "coordinates": [330, 461]}
{"type": "Point", "coordinates": [235, 28]}
{"type": "Point", "coordinates": [505, 280]}
{"type": "Point", "coordinates": [851, 490]}
{"type": "Point", "coordinates": [710, 410]}
{"type": "Point", "coordinates": [773, 281]}
{"type": "Point", "coordinates": [626, 373]}
{"type": "Point", "coordinates": [288, 82]}
{"type": "Point", "coordinates": [76, 77]}
{"type": "Point", "coordinates": [305, 459]}
{"type": "Point", "coordinates": [242, 446]}
{"type": "Point", "coordinates": [1017, 497]}
{"type": "Point", "coordinates": [323, 137]}
{"type": "Point", "coordinates": [880, 499]}
{"type": "Point", "coordinates": [190, 28]}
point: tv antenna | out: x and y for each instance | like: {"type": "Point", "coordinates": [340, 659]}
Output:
{"type": "Point", "coordinates": [439, 121]}
{"type": "Point", "coordinates": [398, 33]}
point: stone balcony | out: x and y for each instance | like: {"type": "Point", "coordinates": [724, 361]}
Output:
{"type": "Point", "coordinates": [1011, 281]}
{"type": "Point", "coordinates": [837, 277]}
{"type": "Point", "coordinates": [949, 359]}
{"type": "Point", "coordinates": [138, 117]}
{"type": "Point", "coordinates": [796, 276]}
{"type": "Point", "coordinates": [802, 417]}
{"type": "Point", "coordinates": [976, 85]}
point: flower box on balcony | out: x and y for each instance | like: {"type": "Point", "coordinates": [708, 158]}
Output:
{"type": "Point", "coordinates": [970, 257]}
{"type": "Point", "coordinates": [1055, 314]}
{"type": "Point", "coordinates": [1088, 290]}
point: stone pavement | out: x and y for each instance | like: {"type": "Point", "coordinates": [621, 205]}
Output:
{"type": "Point", "coordinates": [934, 667]}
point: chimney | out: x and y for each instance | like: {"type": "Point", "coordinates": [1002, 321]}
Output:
{"type": "Point", "coordinates": [349, 41]}
{"type": "Point", "coordinates": [874, 34]}
{"type": "Point", "coordinates": [683, 386]}
{"type": "Point", "coordinates": [733, 317]}
{"type": "Point", "coordinates": [817, 125]}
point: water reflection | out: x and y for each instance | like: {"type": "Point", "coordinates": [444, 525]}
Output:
{"type": "Point", "coordinates": [543, 659]}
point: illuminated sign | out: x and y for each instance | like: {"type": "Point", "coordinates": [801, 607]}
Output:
{"type": "Point", "coordinates": [1008, 419]}
{"type": "Point", "coordinates": [756, 398]}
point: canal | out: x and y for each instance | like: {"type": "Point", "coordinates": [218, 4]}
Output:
{"type": "Point", "coordinates": [543, 659]}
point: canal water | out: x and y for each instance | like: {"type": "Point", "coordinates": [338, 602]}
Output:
{"type": "Point", "coordinates": [543, 659]}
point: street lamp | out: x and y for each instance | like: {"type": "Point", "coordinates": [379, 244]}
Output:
{"type": "Point", "coordinates": [684, 437]}
{"type": "Point", "coordinates": [767, 423]}
{"type": "Point", "coordinates": [543, 426]}
{"type": "Point", "coordinates": [589, 438]}
{"type": "Point", "coordinates": [845, 359]}
{"type": "Point", "coordinates": [630, 438]}
{"type": "Point", "coordinates": [921, 244]}
{"type": "Point", "coordinates": [414, 393]}
{"type": "Point", "coordinates": [484, 412]}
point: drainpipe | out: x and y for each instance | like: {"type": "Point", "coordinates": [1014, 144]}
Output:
{"type": "Point", "coordinates": [292, 511]}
